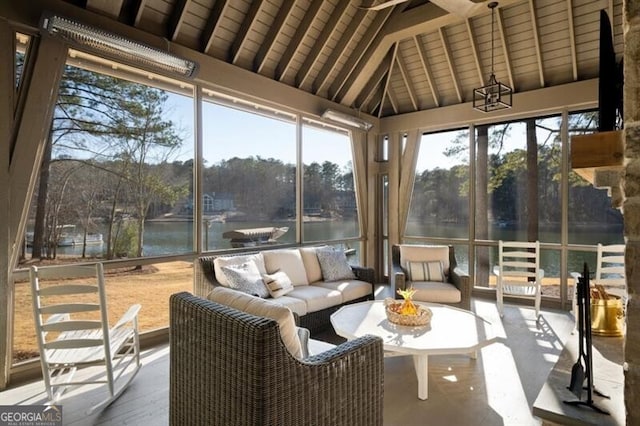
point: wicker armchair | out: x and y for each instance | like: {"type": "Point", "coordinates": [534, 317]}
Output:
{"type": "Point", "coordinates": [231, 368]}
{"type": "Point", "coordinates": [454, 277]}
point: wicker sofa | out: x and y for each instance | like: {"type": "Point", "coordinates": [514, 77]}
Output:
{"type": "Point", "coordinates": [313, 298]}
{"type": "Point", "coordinates": [230, 367]}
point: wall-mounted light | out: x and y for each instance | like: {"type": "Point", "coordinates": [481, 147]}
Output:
{"type": "Point", "coordinates": [347, 119]}
{"type": "Point", "coordinates": [116, 46]}
{"type": "Point", "coordinates": [494, 95]}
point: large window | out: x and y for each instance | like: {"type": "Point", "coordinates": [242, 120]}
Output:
{"type": "Point", "coordinates": [329, 202]}
{"type": "Point", "coordinates": [518, 170]}
{"type": "Point", "coordinates": [440, 201]}
{"type": "Point", "coordinates": [116, 173]}
{"type": "Point", "coordinates": [249, 175]}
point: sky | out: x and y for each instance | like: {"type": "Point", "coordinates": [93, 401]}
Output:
{"type": "Point", "coordinates": [228, 133]}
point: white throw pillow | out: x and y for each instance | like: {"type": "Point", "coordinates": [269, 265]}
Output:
{"type": "Point", "coordinates": [247, 278]}
{"type": "Point", "coordinates": [288, 261]}
{"type": "Point", "coordinates": [262, 308]}
{"type": "Point", "coordinates": [425, 271]}
{"type": "Point", "coordinates": [221, 261]}
{"type": "Point", "coordinates": [278, 284]}
{"type": "Point", "coordinates": [334, 265]}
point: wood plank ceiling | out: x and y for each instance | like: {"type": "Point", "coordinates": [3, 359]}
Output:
{"type": "Point", "coordinates": [409, 57]}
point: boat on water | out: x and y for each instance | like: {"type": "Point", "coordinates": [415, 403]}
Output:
{"type": "Point", "coordinates": [251, 237]}
{"type": "Point", "coordinates": [69, 238]}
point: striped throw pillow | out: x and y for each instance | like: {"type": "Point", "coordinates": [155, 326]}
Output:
{"type": "Point", "coordinates": [425, 271]}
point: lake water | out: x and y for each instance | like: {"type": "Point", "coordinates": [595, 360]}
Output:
{"type": "Point", "coordinates": [165, 238]}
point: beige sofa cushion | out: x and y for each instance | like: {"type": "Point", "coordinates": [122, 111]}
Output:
{"type": "Point", "coordinates": [297, 306]}
{"type": "Point", "coordinates": [437, 292]}
{"type": "Point", "coordinates": [221, 261]}
{"type": "Point", "coordinates": [316, 298]}
{"type": "Point", "coordinates": [288, 261]}
{"type": "Point", "coordinates": [350, 289]}
{"type": "Point", "coordinates": [424, 253]}
{"type": "Point", "coordinates": [262, 308]}
{"type": "Point", "coordinates": [311, 263]}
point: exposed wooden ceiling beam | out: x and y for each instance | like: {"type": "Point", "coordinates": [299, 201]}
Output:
{"type": "Point", "coordinates": [295, 43]}
{"type": "Point", "coordinates": [322, 78]}
{"type": "Point", "coordinates": [243, 32]}
{"type": "Point", "coordinates": [407, 81]}
{"type": "Point", "coordinates": [392, 99]}
{"type": "Point", "coordinates": [474, 51]}
{"type": "Point", "coordinates": [427, 71]}
{"type": "Point", "coordinates": [572, 40]}
{"type": "Point", "coordinates": [386, 91]}
{"type": "Point", "coordinates": [321, 42]}
{"type": "Point", "coordinates": [375, 101]}
{"type": "Point", "coordinates": [110, 8]}
{"type": "Point", "coordinates": [449, 57]}
{"type": "Point", "coordinates": [370, 37]}
{"type": "Point", "coordinates": [213, 22]}
{"type": "Point", "coordinates": [131, 13]}
{"type": "Point", "coordinates": [371, 99]}
{"type": "Point", "coordinates": [419, 20]}
{"type": "Point", "coordinates": [505, 48]}
{"type": "Point", "coordinates": [175, 19]}
{"type": "Point", "coordinates": [274, 30]}
{"type": "Point", "coordinates": [375, 80]}
{"type": "Point", "coordinates": [536, 41]}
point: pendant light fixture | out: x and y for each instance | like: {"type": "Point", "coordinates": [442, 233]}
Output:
{"type": "Point", "coordinates": [494, 95]}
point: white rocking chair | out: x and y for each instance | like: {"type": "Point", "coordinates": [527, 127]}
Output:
{"type": "Point", "coordinates": [73, 332]}
{"type": "Point", "coordinates": [518, 272]}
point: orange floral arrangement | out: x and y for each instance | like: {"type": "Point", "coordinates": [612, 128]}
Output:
{"type": "Point", "coordinates": [408, 307]}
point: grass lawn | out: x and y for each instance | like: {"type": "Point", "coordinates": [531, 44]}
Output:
{"type": "Point", "coordinates": [150, 287]}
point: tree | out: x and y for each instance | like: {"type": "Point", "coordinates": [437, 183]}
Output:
{"type": "Point", "coordinates": [117, 127]}
{"type": "Point", "coordinates": [145, 141]}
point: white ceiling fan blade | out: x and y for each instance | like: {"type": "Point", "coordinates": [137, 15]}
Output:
{"type": "Point", "coordinates": [464, 8]}
{"type": "Point", "coordinates": [383, 5]}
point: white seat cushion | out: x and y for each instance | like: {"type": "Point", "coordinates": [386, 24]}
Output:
{"type": "Point", "coordinates": [438, 292]}
{"type": "Point", "coordinates": [262, 308]}
{"type": "Point", "coordinates": [316, 298]}
{"type": "Point", "coordinates": [288, 261]}
{"type": "Point", "coordinates": [317, 347]}
{"type": "Point", "coordinates": [297, 306]}
{"type": "Point", "coordinates": [350, 289]}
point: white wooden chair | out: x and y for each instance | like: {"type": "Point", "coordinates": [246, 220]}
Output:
{"type": "Point", "coordinates": [610, 273]}
{"type": "Point", "coordinates": [73, 331]}
{"type": "Point", "coordinates": [518, 272]}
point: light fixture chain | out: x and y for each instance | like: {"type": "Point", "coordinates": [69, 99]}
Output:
{"type": "Point", "coordinates": [493, 10]}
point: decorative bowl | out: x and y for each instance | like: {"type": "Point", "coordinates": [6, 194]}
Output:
{"type": "Point", "coordinates": [392, 310]}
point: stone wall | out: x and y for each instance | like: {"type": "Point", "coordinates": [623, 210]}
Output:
{"type": "Point", "coordinates": [631, 205]}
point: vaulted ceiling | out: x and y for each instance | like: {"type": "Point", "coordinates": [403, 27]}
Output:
{"type": "Point", "coordinates": [411, 56]}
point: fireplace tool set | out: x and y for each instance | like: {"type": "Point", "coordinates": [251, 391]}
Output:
{"type": "Point", "coordinates": [585, 357]}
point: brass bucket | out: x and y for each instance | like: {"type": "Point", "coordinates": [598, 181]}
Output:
{"type": "Point", "coordinates": [607, 316]}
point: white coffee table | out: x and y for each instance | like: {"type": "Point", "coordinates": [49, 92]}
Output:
{"type": "Point", "coordinates": [451, 331]}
